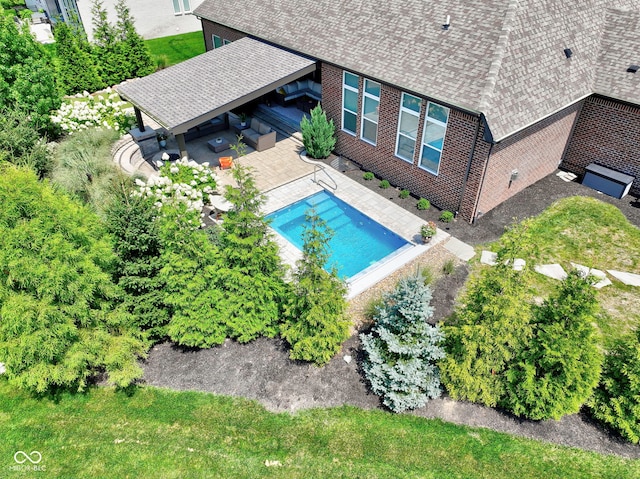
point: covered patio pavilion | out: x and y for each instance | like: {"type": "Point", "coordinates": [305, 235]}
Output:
{"type": "Point", "coordinates": [199, 89]}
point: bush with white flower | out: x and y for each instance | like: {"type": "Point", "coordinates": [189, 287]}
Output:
{"type": "Point", "coordinates": [185, 185]}
{"type": "Point", "coordinates": [99, 111]}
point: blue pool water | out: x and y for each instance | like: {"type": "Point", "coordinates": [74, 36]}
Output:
{"type": "Point", "coordinates": [357, 242]}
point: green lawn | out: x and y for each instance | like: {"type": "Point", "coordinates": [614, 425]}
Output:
{"type": "Point", "coordinates": [160, 433]}
{"type": "Point", "coordinates": [176, 48]}
{"type": "Point", "coordinates": [596, 234]}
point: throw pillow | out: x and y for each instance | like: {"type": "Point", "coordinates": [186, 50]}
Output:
{"type": "Point", "coordinates": [264, 129]}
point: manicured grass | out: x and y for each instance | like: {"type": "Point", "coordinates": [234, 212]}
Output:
{"type": "Point", "coordinates": [160, 433]}
{"type": "Point", "coordinates": [589, 230]}
{"type": "Point", "coordinates": [176, 48]}
{"type": "Point", "coordinates": [596, 234]}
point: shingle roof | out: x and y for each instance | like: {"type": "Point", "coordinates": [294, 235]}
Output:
{"type": "Point", "coordinates": [502, 58]}
{"type": "Point", "coordinates": [212, 83]}
{"type": "Point", "coordinates": [619, 51]}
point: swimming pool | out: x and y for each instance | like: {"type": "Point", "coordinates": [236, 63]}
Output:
{"type": "Point", "coordinates": [358, 242]}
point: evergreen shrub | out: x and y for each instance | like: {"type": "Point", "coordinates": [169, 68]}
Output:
{"type": "Point", "coordinates": [318, 134]}
{"type": "Point", "coordinates": [402, 349]}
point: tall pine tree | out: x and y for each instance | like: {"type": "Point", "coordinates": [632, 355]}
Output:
{"type": "Point", "coordinates": [76, 70]}
{"type": "Point", "coordinates": [136, 57]}
{"type": "Point", "coordinates": [558, 370]}
{"type": "Point", "coordinates": [106, 46]}
{"type": "Point", "coordinates": [315, 323]}
{"type": "Point", "coordinates": [250, 268]}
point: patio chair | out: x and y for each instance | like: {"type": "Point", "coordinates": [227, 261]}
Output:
{"type": "Point", "coordinates": [226, 162]}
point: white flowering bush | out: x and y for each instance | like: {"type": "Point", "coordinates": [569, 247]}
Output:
{"type": "Point", "coordinates": [185, 185]}
{"type": "Point", "coordinates": [99, 111]}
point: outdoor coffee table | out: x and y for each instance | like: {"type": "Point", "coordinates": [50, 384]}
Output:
{"type": "Point", "coordinates": [218, 144]}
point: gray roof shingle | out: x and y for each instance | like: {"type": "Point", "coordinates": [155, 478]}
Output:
{"type": "Point", "coordinates": [619, 51]}
{"type": "Point", "coordinates": [212, 83]}
{"type": "Point", "coordinates": [502, 58]}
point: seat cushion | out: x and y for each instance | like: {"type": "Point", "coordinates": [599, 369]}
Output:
{"type": "Point", "coordinates": [317, 88]}
{"type": "Point", "coordinates": [251, 134]}
{"type": "Point", "coordinates": [289, 88]}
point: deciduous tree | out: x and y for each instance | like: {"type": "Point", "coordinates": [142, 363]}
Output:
{"type": "Point", "coordinates": [27, 79]}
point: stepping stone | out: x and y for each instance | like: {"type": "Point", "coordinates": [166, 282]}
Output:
{"type": "Point", "coordinates": [488, 257]}
{"type": "Point", "coordinates": [566, 176]}
{"type": "Point", "coordinates": [586, 271]}
{"type": "Point", "coordinates": [519, 264]}
{"type": "Point", "coordinates": [554, 271]}
{"type": "Point", "coordinates": [462, 250]}
{"type": "Point", "coordinates": [627, 278]}
{"type": "Point", "coordinates": [2, 368]}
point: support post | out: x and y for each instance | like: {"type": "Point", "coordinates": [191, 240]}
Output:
{"type": "Point", "coordinates": [138, 114]}
{"type": "Point", "coordinates": [182, 146]}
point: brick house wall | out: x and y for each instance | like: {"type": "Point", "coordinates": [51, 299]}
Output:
{"type": "Point", "coordinates": [607, 133]}
{"type": "Point", "coordinates": [444, 190]}
{"type": "Point", "coordinates": [535, 152]}
{"type": "Point", "coordinates": [211, 28]}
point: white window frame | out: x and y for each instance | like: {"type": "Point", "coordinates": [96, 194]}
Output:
{"type": "Point", "coordinates": [407, 111]}
{"type": "Point", "coordinates": [213, 41]}
{"type": "Point", "coordinates": [428, 120]}
{"type": "Point", "coordinates": [345, 86]}
{"type": "Point", "coordinates": [225, 42]}
{"type": "Point", "coordinates": [364, 119]}
{"type": "Point", "coordinates": [182, 9]}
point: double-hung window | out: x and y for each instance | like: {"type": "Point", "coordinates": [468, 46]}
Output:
{"type": "Point", "coordinates": [349, 102]}
{"type": "Point", "coordinates": [408, 127]}
{"type": "Point", "coordinates": [435, 127]}
{"type": "Point", "coordinates": [181, 7]}
{"type": "Point", "coordinates": [370, 111]}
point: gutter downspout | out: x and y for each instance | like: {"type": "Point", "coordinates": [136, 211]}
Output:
{"type": "Point", "coordinates": [466, 175]}
{"type": "Point", "coordinates": [486, 166]}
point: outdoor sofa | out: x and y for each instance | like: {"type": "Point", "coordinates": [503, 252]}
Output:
{"type": "Point", "coordinates": [259, 135]}
{"type": "Point", "coordinates": [298, 89]}
{"type": "Point", "coordinates": [219, 123]}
